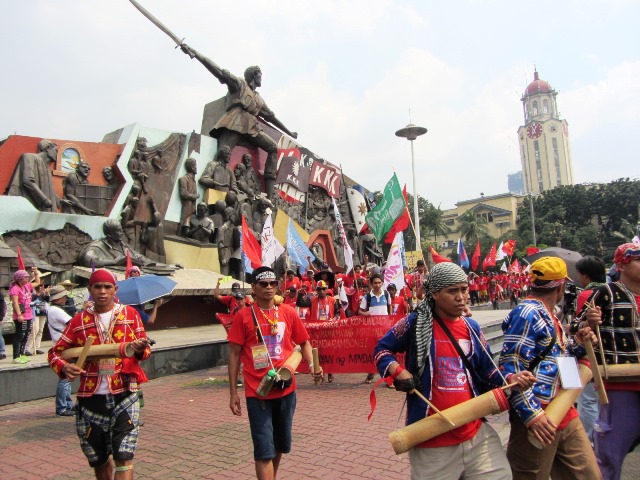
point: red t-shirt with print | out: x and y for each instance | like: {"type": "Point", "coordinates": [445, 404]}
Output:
{"type": "Point", "coordinates": [450, 385]}
{"type": "Point", "coordinates": [290, 332]}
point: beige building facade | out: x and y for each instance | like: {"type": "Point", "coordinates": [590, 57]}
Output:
{"type": "Point", "coordinates": [499, 212]}
{"type": "Point", "coordinates": [545, 150]}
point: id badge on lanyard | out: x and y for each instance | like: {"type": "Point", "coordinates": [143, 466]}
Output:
{"type": "Point", "coordinates": [107, 366]}
{"type": "Point", "coordinates": [260, 356]}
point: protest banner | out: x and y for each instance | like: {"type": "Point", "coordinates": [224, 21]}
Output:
{"type": "Point", "coordinates": [345, 345]}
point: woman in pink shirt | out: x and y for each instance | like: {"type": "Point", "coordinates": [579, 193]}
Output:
{"type": "Point", "coordinates": [20, 296]}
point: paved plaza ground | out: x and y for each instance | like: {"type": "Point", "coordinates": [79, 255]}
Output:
{"type": "Point", "coordinates": [190, 433]}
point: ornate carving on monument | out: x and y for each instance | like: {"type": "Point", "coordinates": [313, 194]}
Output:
{"type": "Point", "coordinates": [217, 174]}
{"type": "Point", "coordinates": [154, 171]}
{"type": "Point", "coordinates": [33, 180]}
{"type": "Point", "coordinates": [56, 247]}
{"type": "Point", "coordinates": [226, 241]}
{"type": "Point", "coordinates": [200, 226]}
{"type": "Point", "coordinates": [71, 188]}
{"type": "Point", "coordinates": [188, 191]}
{"type": "Point", "coordinates": [111, 251]}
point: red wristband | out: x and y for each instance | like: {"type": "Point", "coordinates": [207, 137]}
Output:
{"type": "Point", "coordinates": [398, 371]}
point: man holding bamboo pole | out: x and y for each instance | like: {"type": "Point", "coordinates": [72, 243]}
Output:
{"type": "Point", "coordinates": [535, 341]}
{"type": "Point", "coordinates": [264, 337]}
{"type": "Point", "coordinates": [448, 362]}
{"type": "Point", "coordinates": [612, 310]}
{"type": "Point", "coordinates": [107, 419]}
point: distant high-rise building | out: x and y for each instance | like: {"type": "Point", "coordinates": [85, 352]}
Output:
{"type": "Point", "coordinates": [515, 182]}
{"type": "Point", "coordinates": [545, 151]}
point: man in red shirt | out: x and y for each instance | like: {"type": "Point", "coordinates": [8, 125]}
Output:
{"type": "Point", "coordinates": [472, 450]}
{"type": "Point", "coordinates": [263, 337]}
{"type": "Point", "coordinates": [107, 419]}
{"type": "Point", "coordinates": [322, 305]}
{"type": "Point", "coordinates": [398, 303]}
{"type": "Point", "coordinates": [290, 280]}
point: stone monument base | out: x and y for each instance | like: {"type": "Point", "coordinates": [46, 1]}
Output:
{"type": "Point", "coordinates": [191, 254]}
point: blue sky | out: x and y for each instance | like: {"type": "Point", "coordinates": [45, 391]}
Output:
{"type": "Point", "coordinates": [344, 75]}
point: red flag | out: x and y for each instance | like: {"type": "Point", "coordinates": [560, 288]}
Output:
{"type": "Point", "coordinates": [476, 257]}
{"type": "Point", "coordinates": [250, 246]}
{"type": "Point", "coordinates": [490, 259]}
{"type": "Point", "coordinates": [127, 272]}
{"type": "Point", "coordinates": [20, 260]}
{"type": "Point", "coordinates": [437, 258]}
{"type": "Point", "coordinates": [509, 247]}
{"type": "Point", "coordinates": [532, 250]}
{"type": "Point", "coordinates": [515, 267]}
{"type": "Point", "coordinates": [402, 223]}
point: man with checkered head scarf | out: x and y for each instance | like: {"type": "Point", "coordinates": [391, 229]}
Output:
{"type": "Point", "coordinates": [534, 341]}
{"type": "Point", "coordinates": [434, 366]}
{"type": "Point", "coordinates": [614, 307]}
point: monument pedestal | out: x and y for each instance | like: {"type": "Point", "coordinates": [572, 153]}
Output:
{"type": "Point", "coordinates": [191, 254]}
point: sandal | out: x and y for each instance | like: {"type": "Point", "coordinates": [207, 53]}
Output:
{"type": "Point", "coordinates": [330, 378]}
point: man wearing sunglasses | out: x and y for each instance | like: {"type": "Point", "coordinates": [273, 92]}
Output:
{"type": "Point", "coordinates": [262, 338]}
{"type": "Point", "coordinates": [322, 305]}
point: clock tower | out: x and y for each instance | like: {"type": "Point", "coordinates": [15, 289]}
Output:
{"type": "Point", "coordinates": [544, 140]}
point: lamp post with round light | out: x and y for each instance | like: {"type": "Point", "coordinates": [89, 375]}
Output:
{"type": "Point", "coordinates": [411, 132]}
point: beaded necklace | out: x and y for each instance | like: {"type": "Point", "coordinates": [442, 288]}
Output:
{"type": "Point", "coordinates": [273, 322]}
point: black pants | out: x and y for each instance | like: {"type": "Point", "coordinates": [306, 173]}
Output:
{"type": "Point", "coordinates": [474, 297]}
{"type": "Point", "coordinates": [20, 338]}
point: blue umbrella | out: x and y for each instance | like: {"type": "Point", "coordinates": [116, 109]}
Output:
{"type": "Point", "coordinates": [139, 290]}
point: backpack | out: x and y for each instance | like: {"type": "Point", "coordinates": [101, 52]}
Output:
{"type": "Point", "coordinates": [386, 295]}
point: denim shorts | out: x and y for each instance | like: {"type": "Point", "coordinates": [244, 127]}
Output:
{"type": "Point", "coordinates": [271, 422]}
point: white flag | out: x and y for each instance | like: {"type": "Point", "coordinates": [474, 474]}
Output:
{"type": "Point", "coordinates": [504, 267]}
{"type": "Point", "coordinates": [393, 271]}
{"type": "Point", "coordinates": [500, 253]}
{"type": "Point", "coordinates": [348, 252]}
{"type": "Point", "coordinates": [271, 247]}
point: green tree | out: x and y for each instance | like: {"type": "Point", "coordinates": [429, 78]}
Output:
{"type": "Point", "coordinates": [434, 224]}
{"type": "Point", "coordinates": [472, 227]}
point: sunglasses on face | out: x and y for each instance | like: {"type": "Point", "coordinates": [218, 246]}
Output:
{"type": "Point", "coordinates": [268, 284]}
{"type": "Point", "coordinates": [320, 288]}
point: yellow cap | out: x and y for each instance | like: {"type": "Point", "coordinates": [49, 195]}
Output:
{"type": "Point", "coordinates": [549, 269]}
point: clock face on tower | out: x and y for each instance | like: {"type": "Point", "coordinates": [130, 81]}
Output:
{"type": "Point", "coordinates": [534, 130]}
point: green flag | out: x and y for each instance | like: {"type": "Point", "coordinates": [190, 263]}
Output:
{"type": "Point", "coordinates": [388, 209]}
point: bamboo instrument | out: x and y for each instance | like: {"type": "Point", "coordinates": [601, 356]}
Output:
{"type": "Point", "coordinates": [564, 400]}
{"type": "Point", "coordinates": [85, 351]}
{"type": "Point", "coordinates": [316, 365]}
{"type": "Point", "coordinates": [597, 377]}
{"type": "Point", "coordinates": [490, 403]}
{"type": "Point", "coordinates": [105, 350]}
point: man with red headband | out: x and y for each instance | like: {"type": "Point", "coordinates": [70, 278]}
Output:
{"type": "Point", "coordinates": [107, 420]}
{"type": "Point", "coordinates": [534, 341]}
{"type": "Point", "coordinates": [614, 307]}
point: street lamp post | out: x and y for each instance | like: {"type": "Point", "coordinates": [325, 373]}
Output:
{"type": "Point", "coordinates": [411, 132]}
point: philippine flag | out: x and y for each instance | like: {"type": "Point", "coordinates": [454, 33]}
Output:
{"type": "Point", "coordinates": [463, 259]}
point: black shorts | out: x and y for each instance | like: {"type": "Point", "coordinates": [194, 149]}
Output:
{"type": "Point", "coordinates": [108, 425]}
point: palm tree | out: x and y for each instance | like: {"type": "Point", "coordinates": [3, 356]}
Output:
{"type": "Point", "coordinates": [435, 225]}
{"type": "Point", "coordinates": [472, 227]}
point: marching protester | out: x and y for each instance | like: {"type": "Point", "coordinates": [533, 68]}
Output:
{"type": "Point", "coordinates": [448, 361]}
{"type": "Point", "coordinates": [375, 302]}
{"type": "Point", "coordinates": [534, 340]}
{"type": "Point", "coordinates": [616, 314]}
{"type": "Point", "coordinates": [398, 303]}
{"type": "Point", "coordinates": [57, 319]}
{"type": "Point", "coordinates": [591, 273]}
{"type": "Point", "coordinates": [323, 309]}
{"type": "Point", "coordinates": [263, 337]}
{"type": "Point", "coordinates": [108, 404]}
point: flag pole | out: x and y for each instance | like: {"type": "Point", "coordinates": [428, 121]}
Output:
{"type": "Point", "coordinates": [406, 207]}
